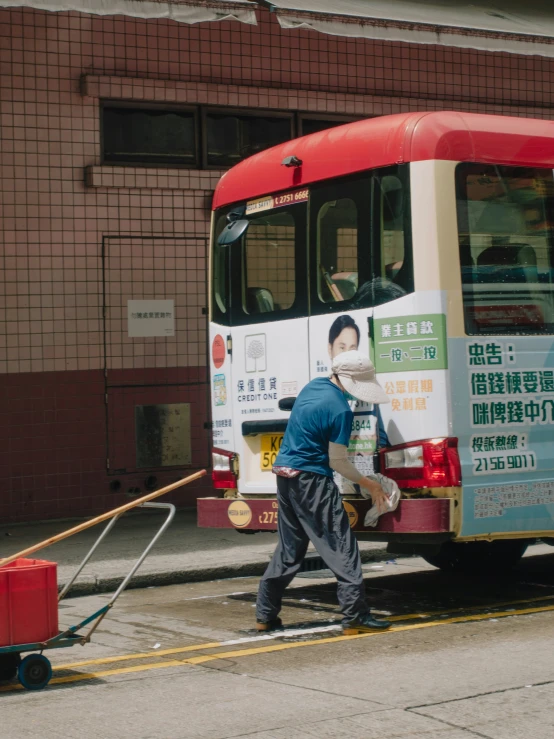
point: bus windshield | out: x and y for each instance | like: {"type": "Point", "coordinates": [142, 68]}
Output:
{"type": "Point", "coordinates": [262, 269]}
{"type": "Point", "coordinates": [506, 248]}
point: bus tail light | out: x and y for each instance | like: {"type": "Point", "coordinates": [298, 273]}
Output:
{"type": "Point", "coordinates": [431, 463]}
{"type": "Point", "coordinates": [224, 469]}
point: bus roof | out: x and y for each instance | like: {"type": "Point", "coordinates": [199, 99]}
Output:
{"type": "Point", "coordinates": [386, 140]}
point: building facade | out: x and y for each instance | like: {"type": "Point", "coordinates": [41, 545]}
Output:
{"type": "Point", "coordinates": [98, 393]}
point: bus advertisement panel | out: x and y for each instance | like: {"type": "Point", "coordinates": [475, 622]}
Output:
{"type": "Point", "coordinates": [504, 416]}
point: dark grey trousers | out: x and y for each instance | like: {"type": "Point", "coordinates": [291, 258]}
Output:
{"type": "Point", "coordinates": [311, 509]}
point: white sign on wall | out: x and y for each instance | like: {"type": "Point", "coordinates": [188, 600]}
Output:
{"type": "Point", "coordinates": [151, 318]}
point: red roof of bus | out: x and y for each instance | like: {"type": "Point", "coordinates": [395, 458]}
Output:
{"type": "Point", "coordinates": [378, 142]}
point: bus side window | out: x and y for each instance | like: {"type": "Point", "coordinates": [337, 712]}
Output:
{"type": "Point", "coordinates": [392, 227]}
{"type": "Point", "coordinates": [392, 272]}
{"type": "Point", "coordinates": [337, 250]}
{"type": "Point", "coordinates": [362, 240]}
{"type": "Point", "coordinates": [506, 246]}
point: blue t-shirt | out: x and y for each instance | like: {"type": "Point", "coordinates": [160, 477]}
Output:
{"type": "Point", "coordinates": [320, 414]}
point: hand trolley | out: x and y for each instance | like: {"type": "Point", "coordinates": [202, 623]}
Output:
{"type": "Point", "coordinates": [34, 671]}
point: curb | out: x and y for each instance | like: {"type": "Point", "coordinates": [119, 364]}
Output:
{"type": "Point", "coordinates": [100, 585]}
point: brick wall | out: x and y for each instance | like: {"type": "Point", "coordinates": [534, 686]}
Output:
{"type": "Point", "coordinates": [65, 216]}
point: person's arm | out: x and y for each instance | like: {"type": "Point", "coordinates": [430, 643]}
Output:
{"type": "Point", "coordinates": [339, 462]}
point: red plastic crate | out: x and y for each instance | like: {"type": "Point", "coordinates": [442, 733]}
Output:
{"type": "Point", "coordinates": [28, 602]}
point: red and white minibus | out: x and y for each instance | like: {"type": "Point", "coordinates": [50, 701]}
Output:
{"type": "Point", "coordinates": [425, 240]}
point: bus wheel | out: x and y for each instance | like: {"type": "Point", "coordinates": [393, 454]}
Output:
{"type": "Point", "coordinates": [478, 557]}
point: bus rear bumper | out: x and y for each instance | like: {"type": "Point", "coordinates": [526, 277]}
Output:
{"type": "Point", "coordinates": [413, 516]}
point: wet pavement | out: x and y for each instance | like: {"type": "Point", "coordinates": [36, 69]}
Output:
{"type": "Point", "coordinates": [185, 553]}
{"type": "Point", "coordinates": [465, 658]}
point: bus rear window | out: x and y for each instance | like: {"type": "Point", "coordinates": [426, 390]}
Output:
{"type": "Point", "coordinates": [506, 248]}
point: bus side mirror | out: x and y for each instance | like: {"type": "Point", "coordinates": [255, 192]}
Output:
{"type": "Point", "coordinates": [286, 404]}
{"type": "Point", "coordinates": [232, 232]}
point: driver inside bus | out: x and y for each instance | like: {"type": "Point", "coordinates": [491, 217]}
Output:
{"type": "Point", "coordinates": [310, 505]}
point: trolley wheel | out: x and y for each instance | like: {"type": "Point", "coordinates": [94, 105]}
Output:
{"type": "Point", "coordinates": [8, 666]}
{"type": "Point", "coordinates": [35, 672]}
{"type": "Point", "coordinates": [478, 557]}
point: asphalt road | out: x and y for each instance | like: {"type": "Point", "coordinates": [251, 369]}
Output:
{"type": "Point", "coordinates": [465, 658]}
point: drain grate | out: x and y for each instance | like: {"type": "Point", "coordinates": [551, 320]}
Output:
{"type": "Point", "coordinates": [312, 563]}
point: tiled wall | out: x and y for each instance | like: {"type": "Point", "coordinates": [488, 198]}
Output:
{"type": "Point", "coordinates": [150, 268]}
{"type": "Point", "coordinates": [61, 208]}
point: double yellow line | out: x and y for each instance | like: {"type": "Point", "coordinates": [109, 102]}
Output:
{"type": "Point", "coordinates": [269, 648]}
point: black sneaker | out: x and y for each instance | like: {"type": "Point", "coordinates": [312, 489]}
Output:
{"type": "Point", "coordinates": [365, 623]}
{"type": "Point", "coordinates": [273, 625]}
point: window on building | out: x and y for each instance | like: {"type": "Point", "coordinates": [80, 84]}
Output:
{"type": "Point", "coordinates": [149, 136]}
{"type": "Point", "coordinates": [232, 136]}
{"type": "Point", "coordinates": [198, 137]}
{"type": "Point", "coordinates": [309, 124]}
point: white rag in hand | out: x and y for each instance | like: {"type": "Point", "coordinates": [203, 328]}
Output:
{"type": "Point", "coordinates": [393, 494]}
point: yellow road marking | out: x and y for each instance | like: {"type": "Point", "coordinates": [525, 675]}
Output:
{"type": "Point", "coordinates": [103, 673]}
{"type": "Point", "coordinates": [215, 645]}
{"type": "Point", "coordinates": [267, 649]}
{"type": "Point", "coordinates": [201, 659]}
{"type": "Point", "coordinates": [143, 655]}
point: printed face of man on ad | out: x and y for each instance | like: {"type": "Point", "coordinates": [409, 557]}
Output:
{"type": "Point", "coordinates": [344, 336]}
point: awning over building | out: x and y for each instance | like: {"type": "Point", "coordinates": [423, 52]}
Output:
{"type": "Point", "coordinates": [184, 11]}
{"type": "Point", "coordinates": [515, 26]}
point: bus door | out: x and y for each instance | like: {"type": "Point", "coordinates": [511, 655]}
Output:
{"type": "Point", "coordinates": [340, 226]}
{"type": "Point", "coordinates": [268, 338]}
{"type": "Point", "coordinates": [361, 269]}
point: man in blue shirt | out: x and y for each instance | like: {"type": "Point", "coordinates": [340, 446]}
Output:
{"type": "Point", "coordinates": [310, 506]}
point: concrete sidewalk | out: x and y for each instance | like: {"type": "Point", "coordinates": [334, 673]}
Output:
{"type": "Point", "coordinates": [184, 554]}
